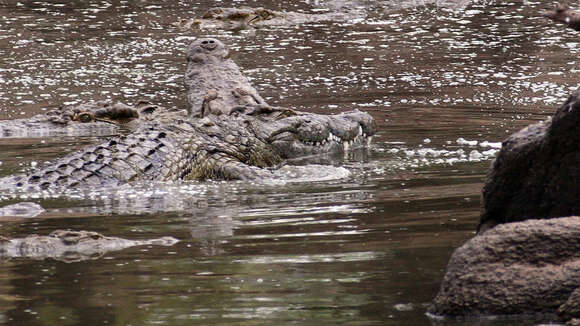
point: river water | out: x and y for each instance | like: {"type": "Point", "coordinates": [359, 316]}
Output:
{"type": "Point", "coordinates": [361, 240]}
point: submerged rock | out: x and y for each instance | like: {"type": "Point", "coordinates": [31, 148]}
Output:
{"type": "Point", "coordinates": [517, 268]}
{"type": "Point", "coordinates": [537, 171]}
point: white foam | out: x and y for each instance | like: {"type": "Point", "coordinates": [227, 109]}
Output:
{"type": "Point", "coordinates": [463, 141]}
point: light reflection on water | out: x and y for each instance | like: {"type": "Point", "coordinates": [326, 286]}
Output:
{"type": "Point", "coordinates": [366, 243]}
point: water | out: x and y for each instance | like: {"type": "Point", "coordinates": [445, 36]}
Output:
{"type": "Point", "coordinates": [364, 244]}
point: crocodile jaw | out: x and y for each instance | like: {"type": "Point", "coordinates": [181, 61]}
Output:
{"type": "Point", "coordinates": [319, 134]}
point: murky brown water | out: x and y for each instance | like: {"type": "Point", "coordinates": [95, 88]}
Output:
{"type": "Point", "coordinates": [366, 246]}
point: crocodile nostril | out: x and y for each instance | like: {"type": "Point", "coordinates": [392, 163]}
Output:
{"type": "Point", "coordinates": [209, 44]}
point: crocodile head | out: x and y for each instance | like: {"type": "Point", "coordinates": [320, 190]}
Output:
{"type": "Point", "coordinates": [290, 134]}
{"type": "Point", "coordinates": [89, 118]}
{"type": "Point", "coordinates": [295, 134]}
{"type": "Point", "coordinates": [216, 86]}
{"type": "Point", "coordinates": [563, 14]}
{"type": "Point", "coordinates": [117, 113]}
{"type": "Point", "coordinates": [215, 83]}
{"type": "Point", "coordinates": [248, 146]}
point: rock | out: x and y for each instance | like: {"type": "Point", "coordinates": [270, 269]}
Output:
{"type": "Point", "coordinates": [526, 267]}
{"type": "Point", "coordinates": [537, 172]}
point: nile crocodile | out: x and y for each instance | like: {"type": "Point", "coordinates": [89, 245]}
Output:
{"type": "Point", "coordinates": [215, 84]}
{"type": "Point", "coordinates": [98, 118]}
{"type": "Point", "coordinates": [230, 133]}
{"type": "Point", "coordinates": [563, 14]}
{"type": "Point", "coordinates": [248, 17]}
{"type": "Point", "coordinates": [70, 246]}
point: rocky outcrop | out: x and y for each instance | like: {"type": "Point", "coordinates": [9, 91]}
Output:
{"type": "Point", "coordinates": [517, 268]}
{"type": "Point", "coordinates": [537, 172]}
{"type": "Point", "coordinates": [525, 258]}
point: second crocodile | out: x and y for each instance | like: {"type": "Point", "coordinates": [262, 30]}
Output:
{"type": "Point", "coordinates": [248, 18]}
{"type": "Point", "coordinates": [70, 246]}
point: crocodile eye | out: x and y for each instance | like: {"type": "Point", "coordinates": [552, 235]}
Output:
{"type": "Point", "coordinates": [84, 117]}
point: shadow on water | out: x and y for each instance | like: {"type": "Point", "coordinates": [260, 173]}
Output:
{"type": "Point", "coordinates": [356, 240]}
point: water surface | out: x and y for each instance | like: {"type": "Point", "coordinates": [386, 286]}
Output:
{"type": "Point", "coordinates": [366, 243]}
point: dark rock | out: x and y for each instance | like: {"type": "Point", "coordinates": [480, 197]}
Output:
{"type": "Point", "coordinates": [527, 267]}
{"type": "Point", "coordinates": [537, 172]}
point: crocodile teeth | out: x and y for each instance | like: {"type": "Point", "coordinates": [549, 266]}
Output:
{"type": "Point", "coordinates": [334, 138]}
{"type": "Point", "coordinates": [345, 146]}
{"type": "Point", "coordinates": [360, 131]}
{"type": "Point", "coordinates": [369, 141]}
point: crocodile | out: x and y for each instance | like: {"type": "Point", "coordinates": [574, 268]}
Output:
{"type": "Point", "coordinates": [563, 14]}
{"type": "Point", "coordinates": [230, 133]}
{"type": "Point", "coordinates": [71, 246]}
{"type": "Point", "coordinates": [95, 118]}
{"type": "Point", "coordinates": [249, 18]}
{"type": "Point", "coordinates": [215, 84]}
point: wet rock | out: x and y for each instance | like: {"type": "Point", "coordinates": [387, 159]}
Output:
{"type": "Point", "coordinates": [526, 267]}
{"type": "Point", "coordinates": [93, 118]}
{"type": "Point", "coordinates": [537, 172]}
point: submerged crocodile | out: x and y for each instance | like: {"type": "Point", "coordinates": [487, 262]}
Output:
{"type": "Point", "coordinates": [71, 246]}
{"type": "Point", "coordinates": [563, 14]}
{"type": "Point", "coordinates": [248, 18]}
{"type": "Point", "coordinates": [85, 119]}
{"type": "Point", "coordinates": [230, 133]}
